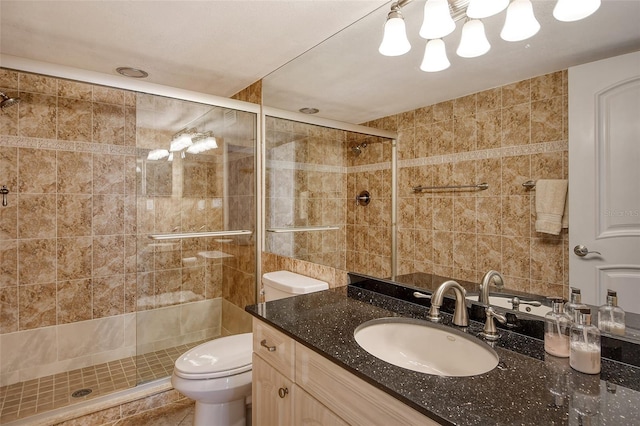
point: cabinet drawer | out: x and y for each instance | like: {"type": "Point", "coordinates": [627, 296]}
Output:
{"type": "Point", "coordinates": [274, 347]}
{"type": "Point", "coordinates": [354, 400]}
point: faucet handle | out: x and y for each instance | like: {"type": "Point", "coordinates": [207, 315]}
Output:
{"type": "Point", "coordinates": [516, 302]}
{"type": "Point", "coordinates": [490, 332]}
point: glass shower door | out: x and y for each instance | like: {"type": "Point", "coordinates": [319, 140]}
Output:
{"type": "Point", "coordinates": [196, 220]}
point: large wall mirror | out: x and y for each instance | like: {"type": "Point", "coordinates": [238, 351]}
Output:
{"type": "Point", "coordinates": [500, 119]}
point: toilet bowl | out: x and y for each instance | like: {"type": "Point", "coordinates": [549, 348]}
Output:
{"type": "Point", "coordinates": [217, 374]}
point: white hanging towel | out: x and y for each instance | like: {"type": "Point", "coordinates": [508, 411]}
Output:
{"type": "Point", "coordinates": [551, 201]}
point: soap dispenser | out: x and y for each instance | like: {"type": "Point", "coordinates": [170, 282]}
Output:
{"type": "Point", "coordinates": [557, 326]}
{"type": "Point", "coordinates": [584, 354]}
{"type": "Point", "coordinates": [611, 316]}
{"type": "Point", "coordinates": [574, 303]}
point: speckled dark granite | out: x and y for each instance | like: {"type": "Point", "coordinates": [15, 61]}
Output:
{"type": "Point", "coordinates": [527, 388]}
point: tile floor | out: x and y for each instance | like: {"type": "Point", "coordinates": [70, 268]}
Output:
{"type": "Point", "coordinates": [24, 399]}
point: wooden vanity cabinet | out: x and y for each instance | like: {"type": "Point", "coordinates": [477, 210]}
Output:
{"type": "Point", "coordinates": [294, 386]}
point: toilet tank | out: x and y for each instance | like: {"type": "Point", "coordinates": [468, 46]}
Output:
{"type": "Point", "coordinates": [281, 284]}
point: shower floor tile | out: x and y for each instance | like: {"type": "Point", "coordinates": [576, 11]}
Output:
{"type": "Point", "coordinates": [24, 399]}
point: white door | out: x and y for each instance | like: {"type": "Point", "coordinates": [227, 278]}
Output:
{"type": "Point", "coordinates": [604, 180]}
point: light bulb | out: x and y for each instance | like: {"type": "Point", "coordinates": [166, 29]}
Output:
{"type": "Point", "coordinates": [479, 9]}
{"type": "Point", "coordinates": [520, 23]}
{"type": "Point", "coordinates": [574, 10]}
{"type": "Point", "coordinates": [473, 42]}
{"type": "Point", "coordinates": [394, 40]}
{"type": "Point", "coordinates": [437, 21]}
{"type": "Point", "coordinates": [435, 57]}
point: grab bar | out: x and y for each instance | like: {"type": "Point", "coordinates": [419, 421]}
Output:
{"type": "Point", "coordinates": [200, 234]}
{"type": "Point", "coordinates": [303, 229]}
{"type": "Point", "coordinates": [480, 186]}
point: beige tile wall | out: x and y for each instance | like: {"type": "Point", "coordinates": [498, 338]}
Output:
{"type": "Point", "coordinates": [369, 227]}
{"type": "Point", "coordinates": [503, 136]}
{"type": "Point", "coordinates": [67, 237]}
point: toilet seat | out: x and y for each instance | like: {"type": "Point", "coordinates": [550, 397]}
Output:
{"type": "Point", "coordinates": [217, 358]}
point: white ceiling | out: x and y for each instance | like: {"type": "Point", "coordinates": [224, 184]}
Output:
{"type": "Point", "coordinates": [221, 47]}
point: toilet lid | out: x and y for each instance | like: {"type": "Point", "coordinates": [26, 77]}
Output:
{"type": "Point", "coordinates": [221, 357]}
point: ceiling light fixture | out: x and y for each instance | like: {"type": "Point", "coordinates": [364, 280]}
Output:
{"type": "Point", "coordinates": [394, 40]}
{"type": "Point", "coordinates": [473, 42]}
{"type": "Point", "coordinates": [437, 21]}
{"type": "Point", "coordinates": [132, 72]}
{"type": "Point", "coordinates": [440, 18]}
{"type": "Point", "coordinates": [520, 23]}
{"type": "Point", "coordinates": [435, 57]}
{"type": "Point", "coordinates": [574, 10]}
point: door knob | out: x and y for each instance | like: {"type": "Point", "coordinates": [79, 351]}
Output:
{"type": "Point", "coordinates": [582, 251]}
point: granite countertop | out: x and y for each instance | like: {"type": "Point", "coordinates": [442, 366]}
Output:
{"type": "Point", "coordinates": [527, 388]}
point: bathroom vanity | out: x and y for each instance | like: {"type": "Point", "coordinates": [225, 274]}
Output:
{"type": "Point", "coordinates": [308, 368]}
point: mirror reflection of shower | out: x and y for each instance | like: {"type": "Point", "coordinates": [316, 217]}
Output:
{"type": "Point", "coordinates": [7, 102]}
{"type": "Point", "coordinates": [357, 149]}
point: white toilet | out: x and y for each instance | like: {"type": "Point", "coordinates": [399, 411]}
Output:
{"type": "Point", "coordinates": [217, 374]}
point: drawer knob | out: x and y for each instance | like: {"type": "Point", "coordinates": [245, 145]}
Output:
{"type": "Point", "coordinates": [269, 348]}
{"type": "Point", "coordinates": [282, 392]}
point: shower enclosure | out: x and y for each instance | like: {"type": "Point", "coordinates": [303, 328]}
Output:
{"type": "Point", "coordinates": [196, 257]}
{"type": "Point", "coordinates": [128, 235]}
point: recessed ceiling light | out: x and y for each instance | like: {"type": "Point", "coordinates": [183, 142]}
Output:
{"type": "Point", "coordinates": [308, 110]}
{"type": "Point", "coordinates": [132, 72]}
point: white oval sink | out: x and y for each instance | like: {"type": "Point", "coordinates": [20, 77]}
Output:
{"type": "Point", "coordinates": [425, 347]}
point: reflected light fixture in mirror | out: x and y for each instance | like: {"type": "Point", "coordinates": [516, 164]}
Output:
{"type": "Point", "coordinates": [440, 17]}
{"type": "Point", "coordinates": [204, 142]}
{"type": "Point", "coordinates": [181, 140]}
{"type": "Point", "coordinates": [473, 42]}
{"type": "Point", "coordinates": [435, 57]}
{"type": "Point", "coordinates": [157, 154]}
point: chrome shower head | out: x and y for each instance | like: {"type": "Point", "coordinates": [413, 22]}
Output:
{"type": "Point", "coordinates": [7, 101]}
{"type": "Point", "coordinates": [357, 150]}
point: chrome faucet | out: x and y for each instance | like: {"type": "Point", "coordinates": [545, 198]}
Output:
{"type": "Point", "coordinates": [483, 296]}
{"type": "Point", "coordinates": [460, 316]}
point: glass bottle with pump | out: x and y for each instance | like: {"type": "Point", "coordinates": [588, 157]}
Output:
{"type": "Point", "coordinates": [557, 326]}
{"type": "Point", "coordinates": [611, 316]}
{"type": "Point", "coordinates": [584, 353]}
{"type": "Point", "coordinates": [574, 304]}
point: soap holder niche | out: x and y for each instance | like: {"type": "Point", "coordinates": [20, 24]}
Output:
{"type": "Point", "coordinates": [363, 198]}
